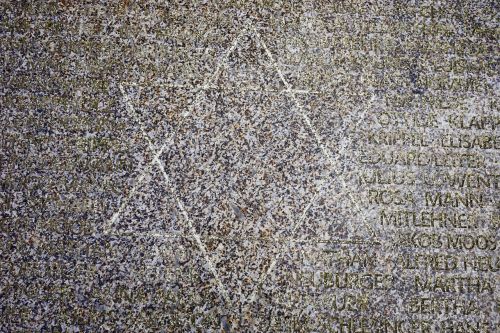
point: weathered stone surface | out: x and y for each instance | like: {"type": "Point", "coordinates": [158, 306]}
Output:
{"type": "Point", "coordinates": [253, 166]}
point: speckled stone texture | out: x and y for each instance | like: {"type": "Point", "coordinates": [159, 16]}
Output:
{"type": "Point", "coordinates": [249, 166]}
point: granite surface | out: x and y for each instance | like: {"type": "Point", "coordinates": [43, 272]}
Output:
{"type": "Point", "coordinates": [249, 166]}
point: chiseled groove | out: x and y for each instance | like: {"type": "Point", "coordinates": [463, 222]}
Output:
{"type": "Point", "coordinates": [325, 152]}
{"type": "Point", "coordinates": [206, 86]}
{"type": "Point", "coordinates": [156, 159]}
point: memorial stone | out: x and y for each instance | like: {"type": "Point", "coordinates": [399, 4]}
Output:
{"type": "Point", "coordinates": [249, 166]}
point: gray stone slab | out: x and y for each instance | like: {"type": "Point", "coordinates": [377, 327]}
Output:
{"type": "Point", "coordinates": [249, 166]}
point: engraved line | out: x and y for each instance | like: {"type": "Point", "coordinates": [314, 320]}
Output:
{"type": "Point", "coordinates": [322, 147]}
{"type": "Point", "coordinates": [139, 180]}
{"type": "Point", "coordinates": [333, 162]}
{"type": "Point", "coordinates": [280, 253]}
{"type": "Point", "coordinates": [237, 89]}
{"type": "Point", "coordinates": [361, 118]}
{"type": "Point", "coordinates": [225, 57]}
{"type": "Point", "coordinates": [131, 109]}
{"type": "Point", "coordinates": [142, 174]}
{"type": "Point", "coordinates": [311, 127]}
{"type": "Point", "coordinates": [309, 124]}
{"type": "Point", "coordinates": [132, 192]}
{"type": "Point", "coordinates": [320, 143]}
{"type": "Point", "coordinates": [195, 235]}
{"type": "Point", "coordinates": [229, 89]}
{"type": "Point", "coordinates": [174, 235]}
{"type": "Point", "coordinates": [303, 91]}
{"type": "Point", "coordinates": [148, 166]}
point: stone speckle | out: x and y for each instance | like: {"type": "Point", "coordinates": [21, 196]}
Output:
{"type": "Point", "coordinates": [249, 166]}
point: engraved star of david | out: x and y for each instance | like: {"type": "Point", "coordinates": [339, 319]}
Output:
{"type": "Point", "coordinates": [156, 161]}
